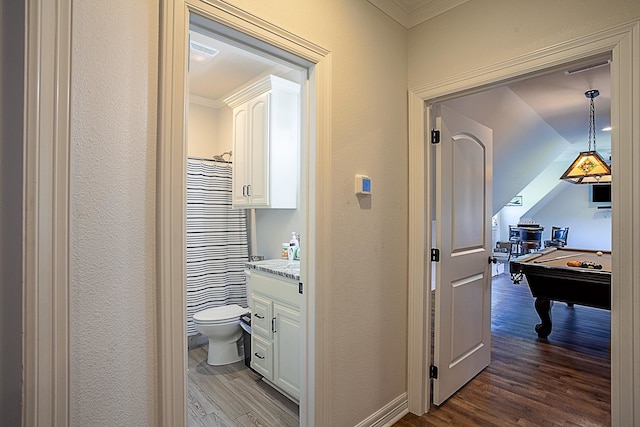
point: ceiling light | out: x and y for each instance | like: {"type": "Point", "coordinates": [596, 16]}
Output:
{"type": "Point", "coordinates": [589, 167]}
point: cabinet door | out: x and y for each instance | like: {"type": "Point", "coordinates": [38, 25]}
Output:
{"type": "Point", "coordinates": [240, 155]}
{"type": "Point", "coordinates": [259, 151]}
{"type": "Point", "coordinates": [286, 340]}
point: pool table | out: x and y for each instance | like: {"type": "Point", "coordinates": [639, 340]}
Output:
{"type": "Point", "coordinates": [551, 279]}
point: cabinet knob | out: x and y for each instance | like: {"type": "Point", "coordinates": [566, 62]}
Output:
{"type": "Point", "coordinates": [258, 356]}
{"type": "Point", "coordinates": [258, 316]}
{"type": "Point", "coordinates": [249, 190]}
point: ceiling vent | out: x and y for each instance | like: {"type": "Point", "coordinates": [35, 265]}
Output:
{"type": "Point", "coordinates": [588, 67]}
{"type": "Point", "coordinates": [201, 52]}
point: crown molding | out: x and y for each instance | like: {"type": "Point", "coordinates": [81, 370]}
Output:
{"type": "Point", "coordinates": [410, 13]}
{"type": "Point", "coordinates": [206, 102]}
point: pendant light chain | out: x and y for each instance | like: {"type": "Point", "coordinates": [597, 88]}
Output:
{"type": "Point", "coordinates": [591, 94]}
{"type": "Point", "coordinates": [592, 124]}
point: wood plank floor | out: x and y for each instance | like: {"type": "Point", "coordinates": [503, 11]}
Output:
{"type": "Point", "coordinates": [233, 395]}
{"type": "Point", "coordinates": [564, 380]}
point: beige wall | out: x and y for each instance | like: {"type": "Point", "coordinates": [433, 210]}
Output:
{"type": "Point", "coordinates": [482, 33]}
{"type": "Point", "coordinates": [201, 131]}
{"type": "Point", "coordinates": [12, 16]}
{"type": "Point", "coordinates": [113, 160]}
{"type": "Point", "coordinates": [367, 318]}
{"type": "Point", "coordinates": [209, 131]}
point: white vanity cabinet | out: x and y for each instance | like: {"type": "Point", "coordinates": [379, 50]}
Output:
{"type": "Point", "coordinates": [275, 331]}
{"type": "Point", "coordinates": [266, 140]}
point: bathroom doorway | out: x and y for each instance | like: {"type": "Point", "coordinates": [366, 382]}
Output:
{"type": "Point", "coordinates": [263, 38]}
{"type": "Point", "coordinates": [221, 63]}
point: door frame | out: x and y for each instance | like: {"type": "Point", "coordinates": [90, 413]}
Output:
{"type": "Point", "coordinates": [623, 42]}
{"type": "Point", "coordinates": [171, 213]}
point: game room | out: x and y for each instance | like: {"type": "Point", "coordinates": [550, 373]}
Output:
{"type": "Point", "coordinates": [542, 224]}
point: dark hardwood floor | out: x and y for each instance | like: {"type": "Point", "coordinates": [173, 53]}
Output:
{"type": "Point", "coordinates": [563, 380]}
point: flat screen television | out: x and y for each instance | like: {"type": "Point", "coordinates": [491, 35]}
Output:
{"type": "Point", "coordinates": [601, 193]}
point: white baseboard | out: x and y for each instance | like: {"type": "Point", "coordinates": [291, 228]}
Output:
{"type": "Point", "coordinates": [389, 414]}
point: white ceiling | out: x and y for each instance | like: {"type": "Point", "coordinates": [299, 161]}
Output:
{"type": "Point", "coordinates": [559, 99]}
{"type": "Point", "coordinates": [213, 80]}
{"type": "Point", "coordinates": [556, 97]}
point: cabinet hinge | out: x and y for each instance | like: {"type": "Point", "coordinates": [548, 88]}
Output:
{"type": "Point", "coordinates": [433, 372]}
{"type": "Point", "coordinates": [435, 136]}
{"type": "Point", "coordinates": [300, 287]}
{"type": "Point", "coordinates": [435, 255]}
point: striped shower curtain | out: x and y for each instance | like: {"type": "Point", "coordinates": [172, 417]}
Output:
{"type": "Point", "coordinates": [217, 245]}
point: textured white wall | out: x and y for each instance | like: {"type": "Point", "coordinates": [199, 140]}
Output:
{"type": "Point", "coordinates": [113, 184]}
{"type": "Point", "coordinates": [12, 18]}
{"type": "Point", "coordinates": [589, 227]}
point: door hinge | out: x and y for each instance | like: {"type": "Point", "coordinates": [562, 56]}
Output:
{"type": "Point", "coordinates": [435, 136]}
{"type": "Point", "coordinates": [435, 255]}
{"type": "Point", "coordinates": [299, 287]}
{"type": "Point", "coordinates": [433, 372]}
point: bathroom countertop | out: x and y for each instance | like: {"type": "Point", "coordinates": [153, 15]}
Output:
{"type": "Point", "coordinates": [279, 267]}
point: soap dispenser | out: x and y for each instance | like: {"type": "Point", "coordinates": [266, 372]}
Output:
{"type": "Point", "coordinates": [293, 247]}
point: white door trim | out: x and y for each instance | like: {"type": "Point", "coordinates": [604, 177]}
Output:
{"type": "Point", "coordinates": [172, 340]}
{"type": "Point", "coordinates": [45, 318]}
{"type": "Point", "coordinates": [624, 44]}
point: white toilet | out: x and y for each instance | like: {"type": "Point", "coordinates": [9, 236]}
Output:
{"type": "Point", "coordinates": [221, 325]}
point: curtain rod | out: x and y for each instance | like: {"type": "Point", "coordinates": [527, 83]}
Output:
{"type": "Point", "coordinates": [209, 160]}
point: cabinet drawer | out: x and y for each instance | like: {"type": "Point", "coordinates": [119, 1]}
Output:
{"type": "Point", "coordinates": [262, 356]}
{"type": "Point", "coordinates": [261, 316]}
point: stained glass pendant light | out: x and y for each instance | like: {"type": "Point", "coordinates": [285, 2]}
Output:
{"type": "Point", "coordinates": [589, 167]}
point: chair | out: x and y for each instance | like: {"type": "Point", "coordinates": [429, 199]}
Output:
{"type": "Point", "coordinates": [514, 240]}
{"type": "Point", "coordinates": [530, 238]}
{"type": "Point", "coordinates": [558, 237]}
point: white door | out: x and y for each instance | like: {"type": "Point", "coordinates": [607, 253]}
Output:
{"type": "Point", "coordinates": [462, 342]}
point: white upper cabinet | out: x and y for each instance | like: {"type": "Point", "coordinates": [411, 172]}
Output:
{"type": "Point", "coordinates": [266, 141]}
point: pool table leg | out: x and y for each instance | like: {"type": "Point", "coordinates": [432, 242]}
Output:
{"type": "Point", "coordinates": [543, 307]}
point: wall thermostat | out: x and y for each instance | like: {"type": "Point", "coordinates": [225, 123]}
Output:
{"type": "Point", "coordinates": [363, 184]}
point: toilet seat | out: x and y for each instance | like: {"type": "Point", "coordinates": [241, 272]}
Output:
{"type": "Point", "coordinates": [218, 315]}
